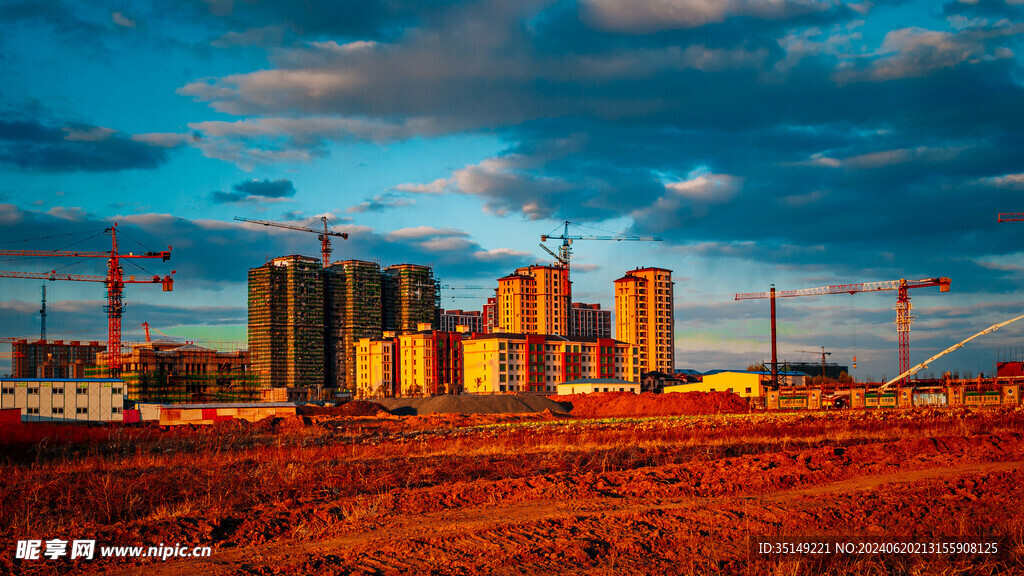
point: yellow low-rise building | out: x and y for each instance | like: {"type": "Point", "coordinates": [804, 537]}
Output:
{"type": "Point", "coordinates": [743, 383]}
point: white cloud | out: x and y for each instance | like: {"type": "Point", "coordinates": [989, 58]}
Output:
{"type": "Point", "coordinates": [707, 188]}
{"type": "Point", "coordinates": [628, 15]}
{"type": "Point", "coordinates": [122, 20]}
{"type": "Point", "coordinates": [885, 158]}
{"type": "Point", "coordinates": [162, 139]}
{"type": "Point", "coordinates": [272, 88]}
{"type": "Point", "coordinates": [496, 254]}
{"type": "Point", "coordinates": [691, 198]}
{"type": "Point", "coordinates": [436, 187]}
{"type": "Point", "coordinates": [72, 214]}
{"type": "Point", "coordinates": [448, 244]}
{"type": "Point", "coordinates": [10, 214]}
{"type": "Point", "coordinates": [271, 140]}
{"type": "Point", "coordinates": [1015, 181]}
{"type": "Point", "coordinates": [799, 201]}
{"type": "Point", "coordinates": [91, 134]}
{"type": "Point", "coordinates": [347, 48]}
{"type": "Point", "coordinates": [424, 232]}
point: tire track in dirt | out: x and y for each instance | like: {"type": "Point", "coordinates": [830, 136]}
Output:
{"type": "Point", "coordinates": [600, 524]}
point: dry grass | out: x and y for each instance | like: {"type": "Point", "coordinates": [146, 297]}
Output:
{"type": "Point", "coordinates": [83, 482]}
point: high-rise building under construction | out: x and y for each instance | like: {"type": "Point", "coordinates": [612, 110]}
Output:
{"type": "Point", "coordinates": [305, 320]}
{"type": "Point", "coordinates": [644, 317]}
{"type": "Point", "coordinates": [355, 311]}
{"type": "Point", "coordinates": [411, 298]}
{"type": "Point", "coordinates": [286, 322]}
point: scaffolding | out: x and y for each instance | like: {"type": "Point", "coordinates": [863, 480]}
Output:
{"type": "Point", "coordinates": [175, 373]}
{"type": "Point", "coordinates": [286, 322]}
{"type": "Point", "coordinates": [53, 358]}
{"type": "Point", "coordinates": [356, 309]}
{"type": "Point", "coordinates": [412, 296]}
{"type": "Point", "coordinates": [305, 320]}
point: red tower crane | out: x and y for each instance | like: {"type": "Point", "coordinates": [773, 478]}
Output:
{"type": "Point", "coordinates": [324, 235]}
{"type": "Point", "coordinates": [114, 281]}
{"type": "Point", "coordinates": [902, 307]}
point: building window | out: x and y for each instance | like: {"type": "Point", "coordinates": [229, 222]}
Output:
{"type": "Point", "coordinates": [57, 411]}
{"type": "Point", "coordinates": [82, 390]}
{"type": "Point", "coordinates": [31, 410]}
{"type": "Point", "coordinates": [81, 410]}
{"type": "Point", "coordinates": [748, 390]}
{"type": "Point", "coordinates": [32, 391]}
{"type": "Point", "coordinates": [115, 410]}
{"type": "Point", "coordinates": [115, 391]}
{"type": "Point", "coordinates": [7, 391]}
{"type": "Point", "coordinates": [58, 390]}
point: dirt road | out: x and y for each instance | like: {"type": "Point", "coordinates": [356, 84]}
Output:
{"type": "Point", "coordinates": [697, 517]}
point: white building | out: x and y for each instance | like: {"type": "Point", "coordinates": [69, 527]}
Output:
{"type": "Point", "coordinates": [592, 385]}
{"type": "Point", "coordinates": [53, 399]}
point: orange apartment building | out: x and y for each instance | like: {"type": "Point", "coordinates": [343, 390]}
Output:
{"type": "Point", "coordinates": [534, 300]}
{"type": "Point", "coordinates": [644, 317]}
{"type": "Point", "coordinates": [424, 363]}
{"type": "Point", "coordinates": [497, 363]}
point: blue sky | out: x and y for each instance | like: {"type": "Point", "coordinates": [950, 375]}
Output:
{"type": "Point", "coordinates": [800, 142]}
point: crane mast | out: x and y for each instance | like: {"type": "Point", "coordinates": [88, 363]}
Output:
{"type": "Point", "coordinates": [903, 307]}
{"type": "Point", "coordinates": [114, 281]}
{"type": "Point", "coordinates": [323, 235]}
{"type": "Point", "coordinates": [823, 354]}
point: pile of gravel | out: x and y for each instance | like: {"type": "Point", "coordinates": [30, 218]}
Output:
{"type": "Point", "coordinates": [471, 404]}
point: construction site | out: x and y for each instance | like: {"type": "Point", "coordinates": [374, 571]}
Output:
{"type": "Point", "coordinates": [707, 476]}
{"type": "Point", "coordinates": [306, 316]}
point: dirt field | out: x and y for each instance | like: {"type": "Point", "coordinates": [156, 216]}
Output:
{"type": "Point", "coordinates": [532, 494]}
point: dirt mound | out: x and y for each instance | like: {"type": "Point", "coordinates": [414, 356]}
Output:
{"type": "Point", "coordinates": [354, 408]}
{"type": "Point", "coordinates": [627, 404]}
{"type": "Point", "coordinates": [471, 404]}
{"type": "Point", "coordinates": [277, 424]}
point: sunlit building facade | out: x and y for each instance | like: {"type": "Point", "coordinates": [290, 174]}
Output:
{"type": "Point", "coordinates": [644, 317]}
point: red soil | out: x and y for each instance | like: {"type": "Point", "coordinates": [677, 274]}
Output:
{"type": "Point", "coordinates": [627, 404]}
{"type": "Point", "coordinates": [354, 408]}
{"type": "Point", "coordinates": [577, 496]}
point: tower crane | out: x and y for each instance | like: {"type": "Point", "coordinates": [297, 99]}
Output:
{"type": "Point", "coordinates": [114, 280]}
{"type": "Point", "coordinates": [565, 250]}
{"type": "Point", "coordinates": [42, 316]}
{"type": "Point", "coordinates": [1011, 216]}
{"type": "Point", "coordinates": [903, 307]}
{"type": "Point", "coordinates": [823, 354]}
{"type": "Point", "coordinates": [324, 235]}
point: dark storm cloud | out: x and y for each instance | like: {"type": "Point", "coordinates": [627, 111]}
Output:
{"type": "Point", "coordinates": [209, 254]}
{"type": "Point", "coordinates": [44, 146]}
{"type": "Point", "coordinates": [759, 131]}
{"type": "Point", "coordinates": [993, 9]}
{"type": "Point", "coordinates": [60, 16]}
{"type": "Point", "coordinates": [255, 191]}
{"type": "Point", "coordinates": [288, 21]}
